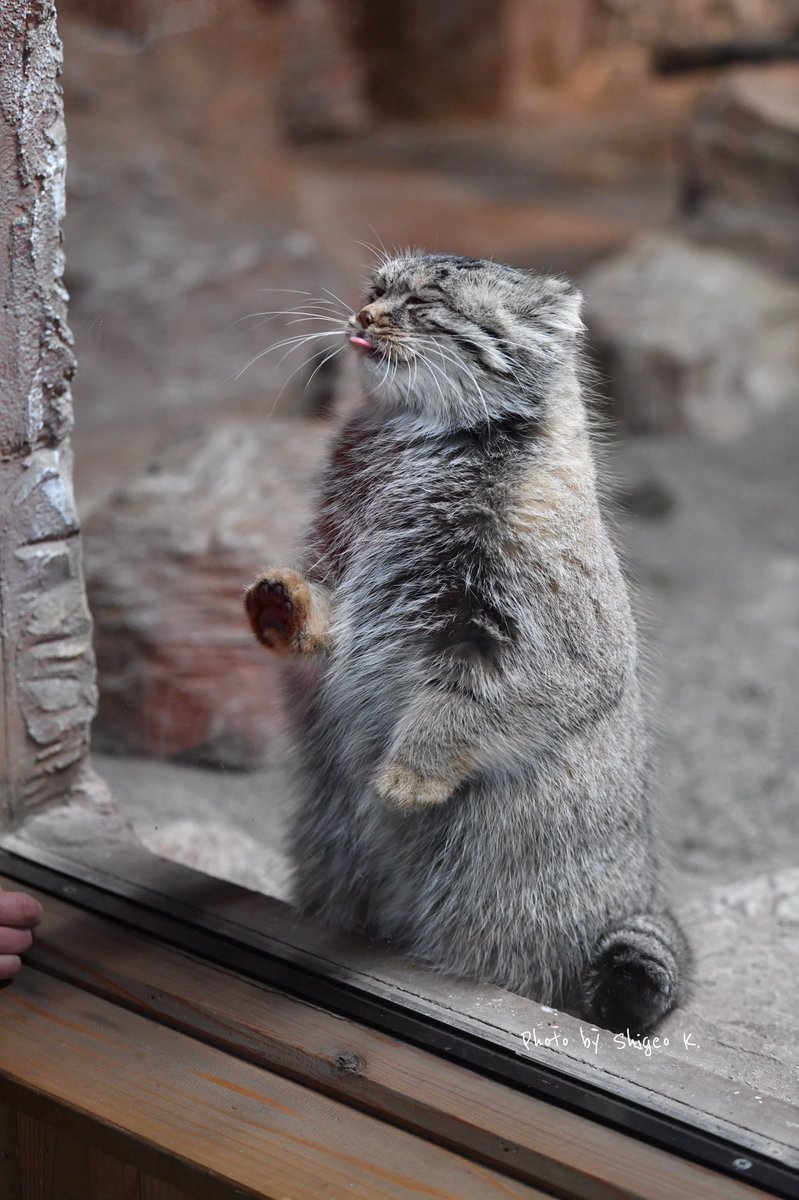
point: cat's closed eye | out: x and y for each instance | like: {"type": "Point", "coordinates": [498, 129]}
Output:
{"type": "Point", "coordinates": [414, 301]}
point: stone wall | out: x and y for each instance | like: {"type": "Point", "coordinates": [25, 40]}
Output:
{"type": "Point", "coordinates": [47, 690]}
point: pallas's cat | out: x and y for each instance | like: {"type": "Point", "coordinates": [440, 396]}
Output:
{"type": "Point", "coordinates": [472, 740]}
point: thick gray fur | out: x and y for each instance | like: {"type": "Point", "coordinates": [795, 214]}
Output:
{"type": "Point", "coordinates": [472, 742]}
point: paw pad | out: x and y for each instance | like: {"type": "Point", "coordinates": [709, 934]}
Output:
{"type": "Point", "coordinates": [270, 609]}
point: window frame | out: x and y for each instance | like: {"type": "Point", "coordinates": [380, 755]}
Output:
{"type": "Point", "coordinates": [262, 939]}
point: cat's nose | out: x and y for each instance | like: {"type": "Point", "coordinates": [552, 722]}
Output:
{"type": "Point", "coordinates": [365, 318]}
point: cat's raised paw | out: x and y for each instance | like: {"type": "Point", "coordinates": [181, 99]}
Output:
{"type": "Point", "coordinates": [277, 606]}
{"type": "Point", "coordinates": [402, 786]}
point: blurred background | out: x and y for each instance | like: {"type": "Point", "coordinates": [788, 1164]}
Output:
{"type": "Point", "coordinates": [228, 157]}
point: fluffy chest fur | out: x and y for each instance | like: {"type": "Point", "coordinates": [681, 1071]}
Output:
{"type": "Point", "coordinates": [467, 555]}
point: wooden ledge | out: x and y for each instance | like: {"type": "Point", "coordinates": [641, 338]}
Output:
{"type": "Point", "coordinates": [203, 1120]}
{"type": "Point", "coordinates": [139, 1049]}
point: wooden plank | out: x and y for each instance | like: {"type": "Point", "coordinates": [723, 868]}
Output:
{"type": "Point", "coordinates": [532, 1140]}
{"type": "Point", "coordinates": [204, 1121]}
{"type": "Point", "coordinates": [9, 1156]}
{"type": "Point", "coordinates": [55, 1166]}
{"type": "Point", "coordinates": [151, 1189]}
{"type": "Point", "coordinates": [110, 1179]}
{"type": "Point", "coordinates": [667, 1082]}
{"type": "Point", "coordinates": [36, 1143]}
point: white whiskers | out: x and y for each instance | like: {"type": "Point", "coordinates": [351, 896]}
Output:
{"type": "Point", "coordinates": [330, 310]}
{"type": "Point", "coordinates": [293, 342]}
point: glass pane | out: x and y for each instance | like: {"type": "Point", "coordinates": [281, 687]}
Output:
{"type": "Point", "coordinates": [236, 174]}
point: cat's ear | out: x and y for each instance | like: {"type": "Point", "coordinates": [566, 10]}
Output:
{"type": "Point", "coordinates": [559, 304]}
{"type": "Point", "coordinates": [560, 287]}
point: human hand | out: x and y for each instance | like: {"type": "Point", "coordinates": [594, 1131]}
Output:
{"type": "Point", "coordinates": [19, 914]}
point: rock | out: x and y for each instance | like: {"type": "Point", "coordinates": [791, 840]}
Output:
{"type": "Point", "coordinates": [683, 22]}
{"type": "Point", "coordinates": [699, 22]}
{"type": "Point", "coordinates": [594, 48]}
{"type": "Point", "coordinates": [167, 561]}
{"type": "Point", "coordinates": [321, 92]}
{"type": "Point", "coordinates": [692, 338]}
{"type": "Point", "coordinates": [129, 18]}
{"type": "Point", "coordinates": [430, 61]}
{"type": "Point", "coordinates": [742, 171]}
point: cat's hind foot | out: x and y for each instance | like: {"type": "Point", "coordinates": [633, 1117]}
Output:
{"type": "Point", "coordinates": [638, 973]}
{"type": "Point", "coordinates": [279, 608]}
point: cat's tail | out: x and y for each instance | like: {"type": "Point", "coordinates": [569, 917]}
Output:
{"type": "Point", "coordinates": [639, 970]}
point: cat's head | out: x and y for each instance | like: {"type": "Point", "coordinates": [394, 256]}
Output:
{"type": "Point", "coordinates": [457, 341]}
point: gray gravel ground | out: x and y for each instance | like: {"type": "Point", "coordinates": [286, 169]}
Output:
{"type": "Point", "coordinates": [718, 581]}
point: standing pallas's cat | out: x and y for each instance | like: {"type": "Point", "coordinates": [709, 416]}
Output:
{"type": "Point", "coordinates": [472, 743]}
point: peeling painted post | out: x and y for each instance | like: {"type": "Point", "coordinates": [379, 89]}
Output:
{"type": "Point", "coordinates": [47, 683]}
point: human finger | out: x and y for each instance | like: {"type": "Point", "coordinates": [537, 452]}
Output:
{"type": "Point", "coordinates": [9, 965]}
{"type": "Point", "coordinates": [14, 941]}
{"type": "Point", "coordinates": [20, 910]}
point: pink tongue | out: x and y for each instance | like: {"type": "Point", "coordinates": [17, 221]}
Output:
{"type": "Point", "coordinates": [361, 341]}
